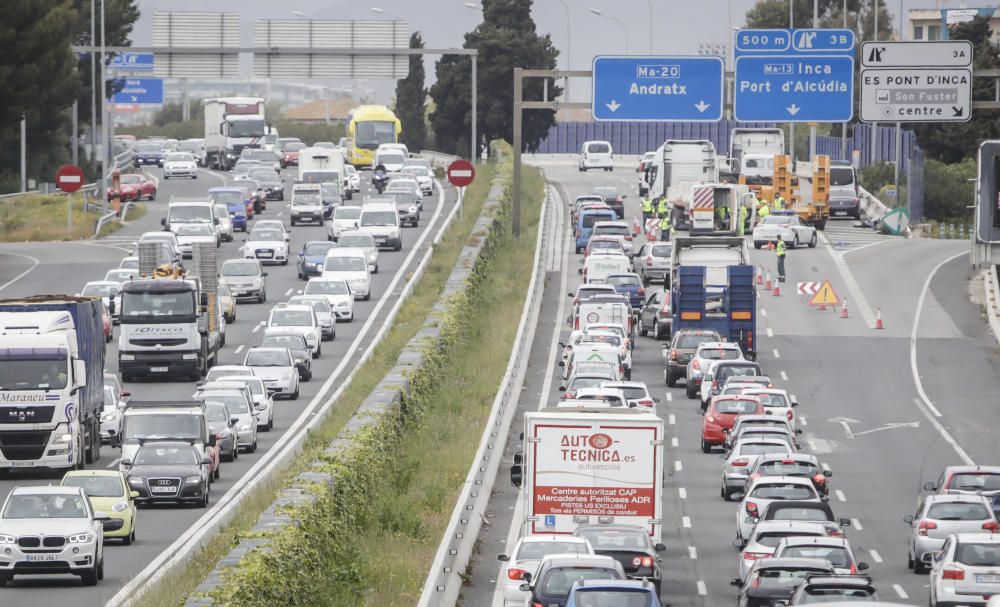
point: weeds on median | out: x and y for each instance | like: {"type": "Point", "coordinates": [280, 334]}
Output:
{"type": "Point", "coordinates": [42, 217]}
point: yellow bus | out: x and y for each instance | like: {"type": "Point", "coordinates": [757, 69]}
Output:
{"type": "Point", "coordinates": [369, 126]}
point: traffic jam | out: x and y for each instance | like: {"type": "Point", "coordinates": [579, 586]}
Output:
{"type": "Point", "coordinates": [600, 497]}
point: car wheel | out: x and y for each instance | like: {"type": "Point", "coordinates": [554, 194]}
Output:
{"type": "Point", "coordinates": [270, 424]}
{"type": "Point", "coordinates": [253, 447]}
{"type": "Point", "coordinates": [642, 330]}
{"type": "Point", "coordinates": [318, 352]}
{"type": "Point", "coordinates": [909, 560]}
{"type": "Point", "coordinates": [128, 539]}
{"type": "Point", "coordinates": [705, 447]}
{"type": "Point", "coordinates": [295, 395]}
{"type": "Point", "coordinates": [918, 566]}
{"type": "Point", "coordinates": [757, 245]}
{"type": "Point", "coordinates": [293, 221]}
{"type": "Point", "coordinates": [671, 380]}
{"type": "Point", "coordinates": [812, 242]}
{"type": "Point", "coordinates": [4, 578]}
{"type": "Point", "coordinates": [795, 243]}
{"type": "Point", "coordinates": [204, 500]}
{"type": "Point", "coordinates": [217, 473]}
{"type": "Point", "coordinates": [309, 376]}
{"type": "Point", "coordinates": [89, 577]}
{"type": "Point", "coordinates": [375, 271]}
{"type": "Point", "coordinates": [689, 392]}
{"type": "Point", "coordinates": [153, 195]}
{"type": "Point", "coordinates": [657, 333]}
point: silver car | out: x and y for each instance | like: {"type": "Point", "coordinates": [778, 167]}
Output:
{"type": "Point", "coordinates": [788, 228]}
{"type": "Point", "coordinates": [966, 570]}
{"type": "Point", "coordinates": [240, 407]}
{"type": "Point", "coordinates": [766, 536]}
{"type": "Point", "coordinates": [324, 313]}
{"type": "Point", "coordinates": [277, 368]}
{"type": "Point", "coordinates": [652, 261]}
{"type": "Point", "coordinates": [363, 241]}
{"type": "Point", "coordinates": [225, 430]}
{"type": "Point", "coordinates": [736, 469]}
{"type": "Point", "coordinates": [835, 550]}
{"type": "Point", "coordinates": [938, 517]}
{"type": "Point", "coordinates": [704, 357]}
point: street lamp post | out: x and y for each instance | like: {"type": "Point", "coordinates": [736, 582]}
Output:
{"type": "Point", "coordinates": [376, 9]}
{"type": "Point", "coordinates": [569, 49]}
{"type": "Point", "coordinates": [619, 22]}
{"type": "Point", "coordinates": [650, 4]}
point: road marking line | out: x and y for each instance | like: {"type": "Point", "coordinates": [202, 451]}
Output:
{"type": "Point", "coordinates": [671, 419]}
{"type": "Point", "coordinates": [812, 444]}
{"type": "Point", "coordinates": [924, 404]}
{"type": "Point", "coordinates": [682, 493]}
{"type": "Point", "coordinates": [876, 556]}
{"type": "Point", "coordinates": [856, 523]}
{"type": "Point", "coordinates": [239, 349]}
{"type": "Point", "coordinates": [803, 421]}
{"type": "Point", "coordinates": [670, 396]}
{"type": "Point", "coordinates": [776, 354]}
{"type": "Point", "coordinates": [770, 333]}
{"type": "Point", "coordinates": [930, 406]}
{"type": "Point", "coordinates": [114, 462]}
{"type": "Point", "coordinates": [686, 522]}
{"type": "Point", "coordinates": [702, 590]}
{"type": "Point", "coordinates": [763, 312]}
{"type": "Point", "coordinates": [692, 553]}
{"type": "Point", "coordinates": [784, 376]}
{"type": "Point", "coordinates": [674, 442]}
{"type": "Point", "coordinates": [289, 291]}
{"type": "Point", "coordinates": [22, 274]}
{"type": "Point", "coordinates": [678, 466]}
{"type": "Point", "coordinates": [840, 495]}
{"type": "Point", "coordinates": [255, 329]}
{"type": "Point", "coordinates": [857, 295]}
{"type": "Point", "coordinates": [899, 589]}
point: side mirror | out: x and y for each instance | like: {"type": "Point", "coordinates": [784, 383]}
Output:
{"type": "Point", "coordinates": [233, 421]}
{"type": "Point", "coordinates": [126, 394]}
{"type": "Point", "coordinates": [206, 461]}
{"type": "Point", "coordinates": [163, 221]}
{"type": "Point", "coordinates": [562, 388]}
{"type": "Point", "coordinates": [736, 582]}
{"type": "Point", "coordinates": [862, 566]}
{"type": "Point", "coordinates": [516, 475]}
{"type": "Point", "coordinates": [503, 558]}
{"type": "Point", "coordinates": [930, 486]}
{"type": "Point", "coordinates": [795, 403]}
{"type": "Point", "coordinates": [828, 473]}
{"type": "Point", "coordinates": [562, 363]}
{"type": "Point", "coordinates": [656, 400]}
{"type": "Point", "coordinates": [526, 576]}
{"type": "Point", "coordinates": [518, 458]}
{"type": "Point", "coordinates": [263, 273]}
{"type": "Point", "coordinates": [133, 494]}
{"type": "Point", "coordinates": [524, 587]}
{"type": "Point", "coordinates": [126, 462]}
{"type": "Point", "coordinates": [845, 522]}
{"type": "Point", "coordinates": [211, 441]}
{"type": "Point", "coordinates": [908, 519]}
{"type": "Point", "coordinates": [798, 430]}
{"type": "Point", "coordinates": [739, 543]}
{"type": "Point", "coordinates": [660, 548]}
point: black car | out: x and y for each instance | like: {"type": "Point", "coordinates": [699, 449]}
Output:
{"type": "Point", "coordinates": [775, 579]}
{"type": "Point", "coordinates": [722, 371]}
{"type": "Point", "coordinates": [830, 588]}
{"type": "Point", "coordinates": [256, 191]}
{"type": "Point", "coordinates": [168, 471]}
{"type": "Point", "coordinates": [629, 545]}
{"type": "Point", "coordinates": [812, 512]}
{"type": "Point", "coordinates": [296, 344]}
{"type": "Point", "coordinates": [845, 206]}
{"type": "Point", "coordinates": [613, 199]}
{"type": "Point", "coordinates": [270, 183]}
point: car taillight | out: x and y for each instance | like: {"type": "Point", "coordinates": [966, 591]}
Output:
{"type": "Point", "coordinates": [753, 556]}
{"type": "Point", "coordinates": [649, 262]}
{"type": "Point", "coordinates": [646, 402]}
{"type": "Point", "coordinates": [952, 572]}
{"type": "Point", "coordinates": [577, 233]}
{"type": "Point", "coordinates": [515, 574]}
{"type": "Point", "coordinates": [536, 604]}
{"type": "Point", "coordinates": [641, 291]}
{"type": "Point", "coordinates": [695, 365]}
{"type": "Point", "coordinates": [739, 463]}
{"type": "Point", "coordinates": [710, 419]}
{"type": "Point", "coordinates": [755, 583]}
{"type": "Point", "coordinates": [628, 238]}
{"type": "Point", "coordinates": [789, 414]}
{"type": "Point", "coordinates": [991, 526]}
{"type": "Point", "coordinates": [924, 526]}
{"type": "Point", "coordinates": [854, 569]}
{"type": "Point", "coordinates": [673, 355]}
{"type": "Point", "coordinates": [642, 561]}
{"type": "Point", "coordinates": [752, 509]}
{"type": "Point", "coordinates": [819, 479]}
{"type": "Point", "coordinates": [569, 395]}
{"type": "Point", "coordinates": [715, 384]}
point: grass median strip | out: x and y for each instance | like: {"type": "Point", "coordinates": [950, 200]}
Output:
{"type": "Point", "coordinates": [174, 589]}
{"type": "Point", "coordinates": [42, 217]}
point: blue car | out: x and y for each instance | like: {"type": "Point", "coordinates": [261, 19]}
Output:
{"type": "Point", "coordinates": [238, 214]}
{"type": "Point", "coordinates": [628, 284]}
{"type": "Point", "coordinates": [311, 258]}
{"type": "Point", "coordinates": [585, 225]}
{"type": "Point", "coordinates": [148, 154]}
{"type": "Point", "coordinates": [627, 593]}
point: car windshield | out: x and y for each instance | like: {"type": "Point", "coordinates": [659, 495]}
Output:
{"type": "Point", "coordinates": [190, 146]}
{"type": "Point", "coordinates": [633, 393]}
{"type": "Point", "coordinates": [148, 148]}
{"type": "Point", "coordinates": [226, 198]}
{"type": "Point", "coordinates": [783, 491]}
{"type": "Point", "coordinates": [268, 358]}
{"type": "Point", "coordinates": [307, 198]}
{"type": "Point", "coordinates": [290, 318]}
{"type": "Point", "coordinates": [599, 148]}
{"type": "Point", "coordinates": [357, 240]}
{"type": "Point", "coordinates": [727, 372]}
{"type": "Point", "coordinates": [161, 427]}
{"type": "Point", "coordinates": [559, 580]}
{"type": "Point", "coordinates": [266, 236]}
{"type": "Point", "coordinates": [798, 513]}
{"type": "Point", "coordinates": [193, 230]}
{"type": "Point", "coordinates": [262, 155]}
{"type": "Point", "coordinates": [318, 249]}
{"type": "Point", "coordinates": [718, 353]}
{"type": "Point", "coordinates": [99, 290]}
{"type": "Point", "coordinates": [419, 171]}
{"type": "Point", "coordinates": [345, 264]}
{"type": "Point", "coordinates": [690, 342]}
{"type": "Point", "coordinates": [41, 505]}
{"type": "Point", "coordinates": [735, 406]}
{"type": "Point", "coordinates": [775, 399]}
{"type": "Point", "coordinates": [265, 175]}
{"type": "Point", "coordinates": [390, 158]}
{"type": "Point", "coordinates": [378, 218]}
{"type": "Point", "coordinates": [623, 597]}
{"type": "Point", "coordinates": [179, 157]}
{"type": "Point", "coordinates": [958, 511]}
{"type": "Point", "coordinates": [534, 551]}
{"type": "Point", "coordinates": [623, 281]}
{"type": "Point", "coordinates": [294, 146]}
{"type": "Point", "coordinates": [775, 220]}
{"type": "Point", "coordinates": [240, 268]}
{"type": "Point", "coordinates": [841, 176]}
{"type": "Point", "coordinates": [586, 382]}
{"type": "Point", "coordinates": [292, 342]}
{"type": "Point", "coordinates": [835, 555]}
{"type": "Point", "coordinates": [327, 287]}
{"type": "Point", "coordinates": [975, 481]}
{"type": "Point", "coordinates": [120, 275]}
{"type": "Point", "coordinates": [616, 539]}
{"type": "Point", "coordinates": [825, 594]}
{"type": "Point", "coordinates": [978, 554]}
{"type": "Point", "coordinates": [605, 244]}
{"type": "Point", "coordinates": [216, 412]}
{"type": "Point", "coordinates": [589, 219]}
{"type": "Point", "coordinates": [772, 539]}
{"type": "Point", "coordinates": [131, 178]}
{"type": "Point", "coordinates": [235, 404]}
{"type": "Point", "coordinates": [613, 340]}
{"type": "Point", "coordinates": [97, 486]}
{"type": "Point", "coordinates": [788, 468]}
{"type": "Point", "coordinates": [782, 578]}
{"type": "Point", "coordinates": [154, 455]}
{"type": "Point", "coordinates": [216, 373]}
{"type": "Point", "coordinates": [662, 250]}
{"type": "Point", "coordinates": [158, 304]}
{"type": "Point", "coordinates": [190, 214]}
{"type": "Point", "coordinates": [762, 448]}
{"type": "Point", "coordinates": [347, 213]}
{"type": "Point", "coordinates": [613, 230]}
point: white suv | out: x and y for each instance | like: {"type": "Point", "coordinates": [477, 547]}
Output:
{"type": "Point", "coordinates": [300, 319]}
{"type": "Point", "coordinates": [381, 220]}
{"type": "Point", "coordinates": [596, 155]}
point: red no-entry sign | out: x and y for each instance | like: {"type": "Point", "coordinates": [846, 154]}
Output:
{"type": "Point", "coordinates": [461, 173]}
{"type": "Point", "coordinates": [69, 178]}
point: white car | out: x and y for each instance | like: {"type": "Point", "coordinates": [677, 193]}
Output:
{"type": "Point", "coordinates": [364, 242]}
{"type": "Point", "coordinates": [425, 178]}
{"type": "Point", "coordinates": [618, 229]}
{"type": "Point", "coordinates": [763, 491]}
{"type": "Point", "coordinates": [262, 401]}
{"type": "Point", "coordinates": [353, 178]}
{"type": "Point", "coordinates": [63, 514]}
{"type": "Point", "coordinates": [267, 245]}
{"type": "Point", "coordinates": [345, 219]}
{"type": "Point", "coordinates": [609, 397]}
{"type": "Point", "coordinates": [225, 225]}
{"type": "Point", "coordinates": [337, 292]}
{"type": "Point", "coordinates": [111, 414]}
{"type": "Point", "coordinates": [120, 275]}
{"type": "Point", "coordinates": [277, 368]}
{"type": "Point", "coordinates": [965, 570]}
{"type": "Point", "coordinates": [349, 265]}
{"type": "Point", "coordinates": [702, 360]}
{"type": "Point", "coordinates": [835, 550]}
{"type": "Point", "coordinates": [190, 233]}
{"type": "Point", "coordinates": [110, 292]}
{"type": "Point", "coordinates": [218, 372]}
{"type": "Point", "coordinates": [637, 394]}
{"type": "Point", "coordinates": [776, 402]}
{"type": "Point", "coordinates": [307, 203]}
{"type": "Point", "coordinates": [767, 535]}
{"type": "Point", "coordinates": [180, 164]}
{"type": "Point", "coordinates": [325, 315]}
{"type": "Point", "coordinates": [527, 556]}
{"type": "Point", "coordinates": [786, 227]}
{"type": "Point", "coordinates": [298, 318]}
{"type": "Point", "coordinates": [276, 224]}
{"type": "Point", "coordinates": [596, 155]}
{"type": "Point", "coordinates": [743, 455]}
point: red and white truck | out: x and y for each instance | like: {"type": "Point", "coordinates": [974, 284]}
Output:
{"type": "Point", "coordinates": [591, 466]}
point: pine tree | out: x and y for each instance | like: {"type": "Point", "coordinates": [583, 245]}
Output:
{"type": "Point", "coordinates": [505, 39]}
{"type": "Point", "coordinates": [411, 97]}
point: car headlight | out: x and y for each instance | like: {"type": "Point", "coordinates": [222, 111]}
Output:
{"type": "Point", "coordinates": [300, 360]}
{"type": "Point", "coordinates": [413, 209]}
{"type": "Point", "coordinates": [62, 438]}
{"type": "Point", "coordinates": [119, 507]}
{"type": "Point", "coordinates": [80, 538]}
{"type": "Point", "coordinates": [108, 417]}
{"type": "Point", "coordinates": [192, 480]}
{"type": "Point", "coordinates": [343, 304]}
{"type": "Point", "coordinates": [190, 356]}
{"type": "Point", "coordinates": [287, 376]}
{"type": "Point", "coordinates": [245, 428]}
{"type": "Point", "coordinates": [135, 480]}
{"type": "Point", "coordinates": [7, 539]}
{"type": "Point", "coordinates": [257, 282]}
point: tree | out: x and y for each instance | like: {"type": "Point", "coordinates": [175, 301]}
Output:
{"type": "Point", "coordinates": [952, 142]}
{"type": "Point", "coordinates": [505, 39]}
{"type": "Point", "coordinates": [860, 16]}
{"type": "Point", "coordinates": [39, 80]}
{"type": "Point", "coordinates": [411, 97]}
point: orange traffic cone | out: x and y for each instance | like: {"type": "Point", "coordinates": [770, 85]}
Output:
{"type": "Point", "coordinates": [760, 276]}
{"type": "Point", "coordinates": [767, 285]}
{"type": "Point", "coordinates": [636, 229]}
{"type": "Point", "coordinates": [843, 309]}
{"type": "Point", "coordinates": [878, 320]}
{"type": "Point", "coordinates": [777, 289]}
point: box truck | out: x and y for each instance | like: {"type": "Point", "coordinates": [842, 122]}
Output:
{"type": "Point", "coordinates": [232, 124]}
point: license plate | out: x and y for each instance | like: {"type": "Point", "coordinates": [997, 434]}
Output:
{"type": "Point", "coordinates": [163, 489]}
{"type": "Point", "coordinates": [158, 369]}
{"type": "Point", "coordinates": [379, 239]}
{"type": "Point", "coordinates": [22, 464]}
{"type": "Point", "coordinates": [239, 292]}
{"type": "Point", "coordinates": [40, 557]}
{"type": "Point", "coordinates": [840, 212]}
{"type": "Point", "coordinates": [267, 255]}
{"type": "Point", "coordinates": [988, 579]}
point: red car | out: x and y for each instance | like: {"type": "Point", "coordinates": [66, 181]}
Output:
{"type": "Point", "coordinates": [290, 154]}
{"type": "Point", "coordinates": [721, 416]}
{"type": "Point", "coordinates": [135, 186]}
{"type": "Point", "coordinates": [108, 324]}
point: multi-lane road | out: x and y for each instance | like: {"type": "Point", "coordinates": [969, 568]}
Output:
{"type": "Point", "coordinates": [919, 394]}
{"type": "Point", "coordinates": [38, 268]}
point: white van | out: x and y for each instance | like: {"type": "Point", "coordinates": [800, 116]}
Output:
{"type": "Point", "coordinates": [190, 211]}
{"type": "Point", "coordinates": [596, 155]}
{"type": "Point", "coordinates": [307, 203]}
{"type": "Point", "coordinates": [393, 146]}
{"type": "Point", "coordinates": [381, 220]}
{"type": "Point", "coordinates": [599, 265]}
{"type": "Point", "coordinates": [351, 266]}
{"type": "Point", "coordinates": [391, 158]}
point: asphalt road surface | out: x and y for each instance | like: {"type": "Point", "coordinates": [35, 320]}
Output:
{"type": "Point", "coordinates": [39, 268]}
{"type": "Point", "coordinates": [914, 406]}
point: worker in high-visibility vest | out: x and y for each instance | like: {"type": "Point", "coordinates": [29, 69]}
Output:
{"type": "Point", "coordinates": [780, 251]}
{"type": "Point", "coordinates": [762, 212]}
{"type": "Point", "coordinates": [665, 228]}
{"type": "Point", "coordinates": [779, 202]}
{"type": "Point", "coordinates": [647, 209]}
{"type": "Point", "coordinates": [722, 218]}
{"type": "Point", "coordinates": [663, 208]}
{"type": "Point", "coordinates": [742, 225]}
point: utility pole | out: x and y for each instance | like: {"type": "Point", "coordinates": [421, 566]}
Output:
{"type": "Point", "coordinates": [74, 140]}
{"type": "Point", "coordinates": [843, 125]}
{"type": "Point", "coordinates": [871, 160]}
{"type": "Point", "coordinates": [791, 125]}
{"type": "Point", "coordinates": [93, 85]}
{"type": "Point", "coordinates": [812, 126]}
{"type": "Point", "coordinates": [24, 153]}
{"type": "Point", "coordinates": [104, 123]}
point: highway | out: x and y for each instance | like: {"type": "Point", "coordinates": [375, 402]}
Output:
{"type": "Point", "coordinates": [916, 396]}
{"type": "Point", "coordinates": [63, 267]}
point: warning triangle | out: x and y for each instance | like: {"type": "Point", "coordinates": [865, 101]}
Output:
{"type": "Point", "coordinates": [825, 296]}
{"type": "Point", "coordinates": [595, 356]}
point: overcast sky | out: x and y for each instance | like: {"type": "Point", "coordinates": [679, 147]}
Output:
{"type": "Point", "coordinates": [680, 26]}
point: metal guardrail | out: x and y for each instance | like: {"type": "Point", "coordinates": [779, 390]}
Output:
{"type": "Point", "coordinates": [104, 219]}
{"type": "Point", "coordinates": [444, 582]}
{"type": "Point", "coordinates": [120, 162]}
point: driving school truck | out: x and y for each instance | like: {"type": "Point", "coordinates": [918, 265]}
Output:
{"type": "Point", "coordinates": [590, 466]}
{"type": "Point", "coordinates": [51, 381]}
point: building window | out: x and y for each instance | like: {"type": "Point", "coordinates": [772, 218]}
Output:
{"type": "Point", "coordinates": [932, 32]}
{"type": "Point", "coordinates": [918, 32]}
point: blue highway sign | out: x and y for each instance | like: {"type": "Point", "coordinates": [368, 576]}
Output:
{"type": "Point", "coordinates": [804, 75]}
{"type": "Point", "coordinates": [657, 88]}
{"type": "Point", "coordinates": [141, 90]}
{"type": "Point", "coordinates": [133, 61]}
